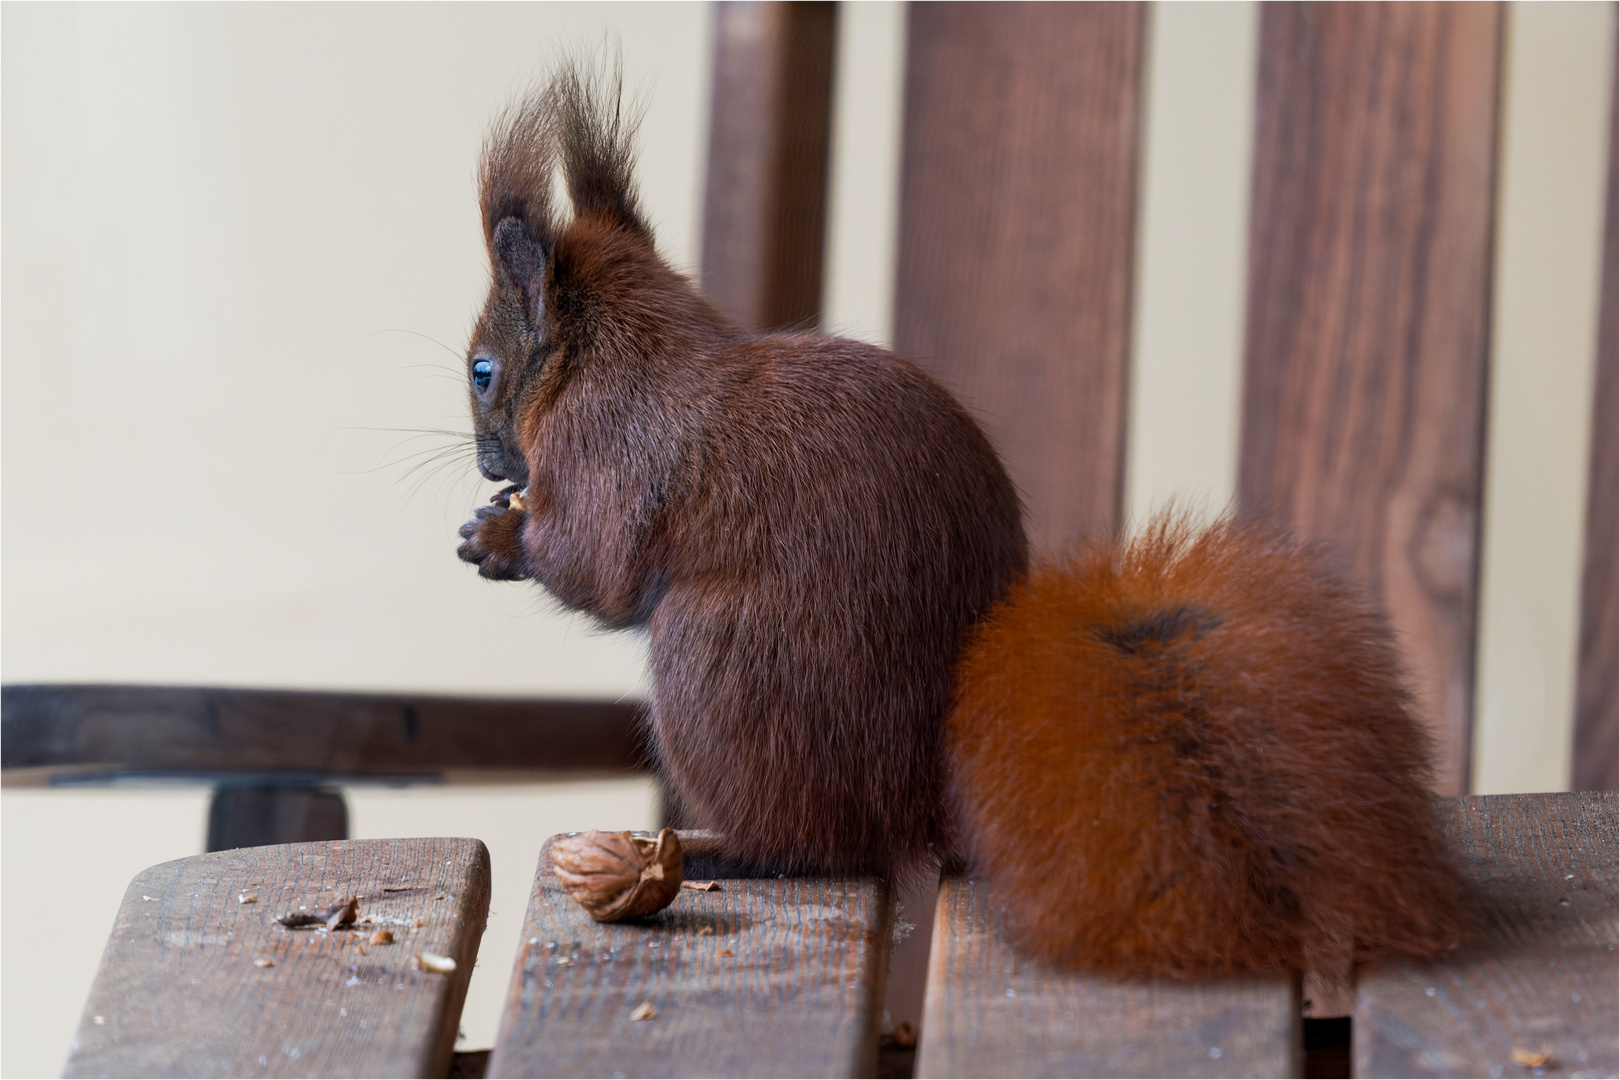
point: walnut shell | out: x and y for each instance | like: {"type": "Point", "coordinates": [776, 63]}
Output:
{"type": "Point", "coordinates": [616, 875]}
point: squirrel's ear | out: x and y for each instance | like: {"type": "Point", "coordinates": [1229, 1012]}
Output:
{"type": "Point", "coordinates": [520, 268]}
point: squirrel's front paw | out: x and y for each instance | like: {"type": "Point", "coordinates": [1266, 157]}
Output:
{"type": "Point", "coordinates": [494, 543]}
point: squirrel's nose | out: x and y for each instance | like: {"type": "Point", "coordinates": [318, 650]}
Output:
{"type": "Point", "coordinates": [495, 462]}
{"type": "Point", "coordinates": [491, 456]}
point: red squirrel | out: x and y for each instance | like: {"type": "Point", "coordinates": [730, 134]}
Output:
{"type": "Point", "coordinates": [1189, 754]}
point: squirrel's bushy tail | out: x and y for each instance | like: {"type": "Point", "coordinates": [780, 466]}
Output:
{"type": "Point", "coordinates": [1192, 754]}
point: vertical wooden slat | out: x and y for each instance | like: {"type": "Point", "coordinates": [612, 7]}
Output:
{"type": "Point", "coordinates": [1596, 710]}
{"type": "Point", "coordinates": [1017, 223]}
{"type": "Point", "coordinates": [764, 211]}
{"type": "Point", "coordinates": [1369, 291]}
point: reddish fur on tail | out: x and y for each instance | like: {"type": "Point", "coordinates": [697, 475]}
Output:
{"type": "Point", "coordinates": [1191, 754]}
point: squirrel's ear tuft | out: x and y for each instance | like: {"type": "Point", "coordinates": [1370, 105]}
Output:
{"type": "Point", "coordinates": [519, 263]}
{"type": "Point", "coordinates": [594, 136]}
{"type": "Point", "coordinates": [515, 173]}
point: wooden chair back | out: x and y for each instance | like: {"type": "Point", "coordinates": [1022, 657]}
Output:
{"type": "Point", "coordinates": [1369, 299]}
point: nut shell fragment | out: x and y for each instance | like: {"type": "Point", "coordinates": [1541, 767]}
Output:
{"type": "Point", "coordinates": [618, 876]}
{"type": "Point", "coordinates": [1532, 1059]}
{"type": "Point", "coordinates": [429, 961]}
{"type": "Point", "coordinates": [334, 916]}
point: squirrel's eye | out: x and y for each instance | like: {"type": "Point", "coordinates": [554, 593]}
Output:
{"type": "Point", "coordinates": [483, 370]}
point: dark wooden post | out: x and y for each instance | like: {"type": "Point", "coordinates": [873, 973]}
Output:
{"type": "Point", "coordinates": [764, 210]}
{"type": "Point", "coordinates": [260, 814]}
{"type": "Point", "coordinates": [277, 756]}
{"type": "Point", "coordinates": [1596, 710]}
{"type": "Point", "coordinates": [1017, 229]}
{"type": "Point", "coordinates": [1368, 315]}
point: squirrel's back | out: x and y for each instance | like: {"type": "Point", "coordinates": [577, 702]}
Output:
{"type": "Point", "coordinates": [844, 525]}
{"type": "Point", "coordinates": [1191, 754]}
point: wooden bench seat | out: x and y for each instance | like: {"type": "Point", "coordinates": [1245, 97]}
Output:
{"type": "Point", "coordinates": [991, 1012]}
{"type": "Point", "coordinates": [199, 978]}
{"type": "Point", "coordinates": [761, 976]}
{"type": "Point", "coordinates": [773, 976]}
{"type": "Point", "coordinates": [1541, 981]}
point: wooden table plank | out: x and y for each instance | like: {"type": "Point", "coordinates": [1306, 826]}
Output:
{"type": "Point", "coordinates": [763, 977]}
{"type": "Point", "coordinates": [181, 990]}
{"type": "Point", "coordinates": [1544, 975]}
{"type": "Point", "coordinates": [993, 1012]}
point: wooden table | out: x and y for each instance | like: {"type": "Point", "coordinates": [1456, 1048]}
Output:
{"type": "Point", "coordinates": [768, 976]}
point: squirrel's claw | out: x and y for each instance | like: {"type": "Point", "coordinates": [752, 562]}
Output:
{"type": "Point", "coordinates": [492, 541]}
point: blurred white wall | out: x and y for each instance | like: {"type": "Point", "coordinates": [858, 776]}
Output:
{"type": "Point", "coordinates": [863, 197]}
{"type": "Point", "coordinates": [239, 257]}
{"type": "Point", "coordinates": [1558, 78]}
{"type": "Point", "coordinates": [239, 253]}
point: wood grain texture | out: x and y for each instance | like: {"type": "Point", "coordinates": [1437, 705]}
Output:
{"type": "Point", "coordinates": [1542, 977]}
{"type": "Point", "coordinates": [1368, 314]}
{"type": "Point", "coordinates": [1328, 994]}
{"type": "Point", "coordinates": [179, 992]}
{"type": "Point", "coordinates": [764, 208]}
{"type": "Point", "coordinates": [763, 977]}
{"type": "Point", "coordinates": [1017, 226]}
{"type": "Point", "coordinates": [992, 1012]}
{"type": "Point", "coordinates": [1597, 704]}
{"type": "Point", "coordinates": [56, 732]}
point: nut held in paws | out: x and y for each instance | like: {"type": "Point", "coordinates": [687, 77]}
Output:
{"type": "Point", "coordinates": [616, 875]}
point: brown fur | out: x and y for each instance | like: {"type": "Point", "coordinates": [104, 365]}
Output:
{"type": "Point", "coordinates": [1191, 755]}
{"type": "Point", "coordinates": [806, 526]}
